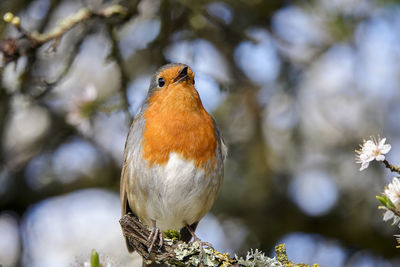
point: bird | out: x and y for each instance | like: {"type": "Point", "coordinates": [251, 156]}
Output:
{"type": "Point", "coordinates": [174, 157]}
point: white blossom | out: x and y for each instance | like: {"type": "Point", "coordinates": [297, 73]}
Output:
{"type": "Point", "coordinates": [388, 215]}
{"type": "Point", "coordinates": [392, 192]}
{"type": "Point", "coordinates": [372, 150]}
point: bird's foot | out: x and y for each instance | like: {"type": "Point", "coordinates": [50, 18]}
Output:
{"type": "Point", "coordinates": [152, 239]}
{"type": "Point", "coordinates": [201, 244]}
{"type": "Point", "coordinates": [201, 253]}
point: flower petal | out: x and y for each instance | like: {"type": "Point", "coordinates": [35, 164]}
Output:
{"type": "Point", "coordinates": [396, 183]}
{"type": "Point", "coordinates": [364, 165]}
{"type": "Point", "coordinates": [367, 157]}
{"type": "Point", "coordinates": [368, 147]}
{"type": "Point", "coordinates": [388, 215]}
{"type": "Point", "coordinates": [385, 149]}
{"type": "Point", "coordinates": [380, 158]}
{"type": "Point", "coordinates": [382, 141]}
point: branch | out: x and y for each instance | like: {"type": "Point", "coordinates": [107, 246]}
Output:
{"type": "Point", "coordinates": [11, 48]}
{"type": "Point", "coordinates": [116, 55]}
{"type": "Point", "coordinates": [71, 21]}
{"type": "Point", "coordinates": [172, 252]}
{"type": "Point", "coordinates": [179, 253]}
{"type": "Point", "coordinates": [391, 167]}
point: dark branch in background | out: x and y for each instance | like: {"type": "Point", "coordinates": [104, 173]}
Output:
{"type": "Point", "coordinates": [4, 110]}
{"type": "Point", "coordinates": [48, 86]}
{"type": "Point", "coordinates": [179, 253]}
{"type": "Point", "coordinates": [116, 55]}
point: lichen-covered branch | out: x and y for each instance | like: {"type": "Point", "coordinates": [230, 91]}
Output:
{"type": "Point", "coordinates": [179, 253]}
{"type": "Point", "coordinates": [173, 252]}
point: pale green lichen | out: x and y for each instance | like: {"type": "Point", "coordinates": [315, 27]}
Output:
{"type": "Point", "coordinates": [169, 242]}
{"type": "Point", "coordinates": [258, 259]}
{"type": "Point", "coordinates": [191, 254]}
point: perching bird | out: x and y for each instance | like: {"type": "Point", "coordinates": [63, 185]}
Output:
{"type": "Point", "coordinates": [174, 156]}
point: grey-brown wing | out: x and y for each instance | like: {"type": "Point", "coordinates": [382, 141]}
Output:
{"type": "Point", "coordinates": [125, 205]}
{"type": "Point", "coordinates": [123, 193]}
{"type": "Point", "coordinates": [125, 209]}
{"type": "Point", "coordinates": [124, 178]}
{"type": "Point", "coordinates": [223, 150]}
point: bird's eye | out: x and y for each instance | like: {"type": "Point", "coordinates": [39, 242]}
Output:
{"type": "Point", "coordinates": [194, 81]}
{"type": "Point", "coordinates": [161, 82]}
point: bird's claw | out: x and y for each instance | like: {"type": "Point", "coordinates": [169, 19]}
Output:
{"type": "Point", "coordinates": [201, 244]}
{"type": "Point", "coordinates": [154, 235]}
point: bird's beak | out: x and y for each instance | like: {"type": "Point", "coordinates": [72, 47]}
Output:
{"type": "Point", "coordinates": [182, 75]}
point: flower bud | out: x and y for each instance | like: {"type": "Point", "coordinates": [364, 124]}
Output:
{"type": "Point", "coordinates": [8, 17]}
{"type": "Point", "coordinates": [15, 21]}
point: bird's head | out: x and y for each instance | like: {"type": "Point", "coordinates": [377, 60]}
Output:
{"type": "Point", "coordinates": [173, 84]}
{"type": "Point", "coordinates": [170, 76]}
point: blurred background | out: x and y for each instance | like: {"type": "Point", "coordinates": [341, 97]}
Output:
{"type": "Point", "coordinates": [293, 85]}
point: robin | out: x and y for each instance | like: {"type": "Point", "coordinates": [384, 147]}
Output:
{"type": "Point", "coordinates": [174, 157]}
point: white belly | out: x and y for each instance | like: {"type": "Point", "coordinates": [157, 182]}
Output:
{"type": "Point", "coordinates": [183, 193]}
{"type": "Point", "coordinates": [176, 194]}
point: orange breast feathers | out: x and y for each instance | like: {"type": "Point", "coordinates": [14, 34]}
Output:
{"type": "Point", "coordinates": [176, 121]}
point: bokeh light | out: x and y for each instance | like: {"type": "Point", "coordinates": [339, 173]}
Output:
{"type": "Point", "coordinates": [63, 229]}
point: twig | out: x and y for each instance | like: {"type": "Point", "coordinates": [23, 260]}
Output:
{"type": "Point", "coordinates": [71, 21]}
{"type": "Point", "coordinates": [391, 167]}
